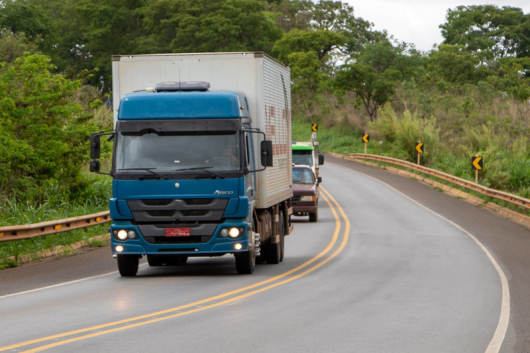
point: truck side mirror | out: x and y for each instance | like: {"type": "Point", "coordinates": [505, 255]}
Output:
{"type": "Point", "coordinates": [319, 180]}
{"type": "Point", "coordinates": [95, 147]}
{"type": "Point", "coordinates": [320, 159]}
{"type": "Point", "coordinates": [94, 166]}
{"type": "Point", "coordinates": [266, 153]}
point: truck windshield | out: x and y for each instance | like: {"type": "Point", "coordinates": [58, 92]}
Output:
{"type": "Point", "coordinates": [304, 157]}
{"type": "Point", "coordinates": [188, 152]}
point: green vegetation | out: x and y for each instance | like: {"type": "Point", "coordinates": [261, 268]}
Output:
{"type": "Point", "coordinates": [33, 245]}
{"type": "Point", "coordinates": [15, 212]}
{"type": "Point", "coordinates": [468, 96]}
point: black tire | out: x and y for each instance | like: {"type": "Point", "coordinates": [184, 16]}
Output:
{"type": "Point", "coordinates": [282, 236]}
{"type": "Point", "coordinates": [260, 259]}
{"type": "Point", "coordinates": [273, 253]}
{"type": "Point", "coordinates": [128, 265]}
{"type": "Point", "coordinates": [182, 259]}
{"type": "Point", "coordinates": [245, 262]}
{"type": "Point", "coordinates": [313, 217]}
{"type": "Point", "coordinates": [154, 260]}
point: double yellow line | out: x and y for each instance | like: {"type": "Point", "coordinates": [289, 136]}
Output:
{"type": "Point", "coordinates": [222, 299]}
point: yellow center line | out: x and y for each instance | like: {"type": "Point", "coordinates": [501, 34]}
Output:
{"type": "Point", "coordinates": [307, 263]}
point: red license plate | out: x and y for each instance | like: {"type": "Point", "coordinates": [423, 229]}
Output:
{"type": "Point", "coordinates": [178, 232]}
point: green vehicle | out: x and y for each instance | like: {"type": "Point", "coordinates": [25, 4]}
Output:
{"type": "Point", "coordinates": [306, 153]}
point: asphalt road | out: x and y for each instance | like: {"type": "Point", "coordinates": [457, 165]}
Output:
{"type": "Point", "coordinates": [391, 266]}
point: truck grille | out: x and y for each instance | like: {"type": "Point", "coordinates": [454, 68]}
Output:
{"type": "Point", "coordinates": [177, 210]}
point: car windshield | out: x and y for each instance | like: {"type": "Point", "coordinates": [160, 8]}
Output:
{"type": "Point", "coordinates": [303, 176]}
{"type": "Point", "coordinates": [303, 157]}
{"type": "Point", "coordinates": [173, 152]}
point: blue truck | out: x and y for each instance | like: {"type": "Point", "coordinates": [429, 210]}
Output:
{"type": "Point", "coordinates": [201, 160]}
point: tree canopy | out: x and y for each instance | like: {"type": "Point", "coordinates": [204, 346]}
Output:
{"type": "Point", "coordinates": [489, 31]}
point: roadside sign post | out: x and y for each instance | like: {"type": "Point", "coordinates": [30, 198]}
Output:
{"type": "Point", "coordinates": [366, 139]}
{"type": "Point", "coordinates": [419, 149]}
{"type": "Point", "coordinates": [477, 163]}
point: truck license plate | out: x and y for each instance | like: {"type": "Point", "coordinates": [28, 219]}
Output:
{"type": "Point", "coordinates": [178, 232]}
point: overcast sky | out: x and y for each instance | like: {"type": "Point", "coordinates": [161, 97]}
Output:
{"type": "Point", "coordinates": [417, 21]}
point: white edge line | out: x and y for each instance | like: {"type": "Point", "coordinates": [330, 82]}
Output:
{"type": "Point", "coordinates": [59, 284]}
{"type": "Point", "coordinates": [504, 319]}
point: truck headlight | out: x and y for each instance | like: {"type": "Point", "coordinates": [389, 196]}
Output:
{"type": "Point", "coordinates": [233, 232]}
{"type": "Point", "coordinates": [122, 234]}
{"type": "Point", "coordinates": [307, 198]}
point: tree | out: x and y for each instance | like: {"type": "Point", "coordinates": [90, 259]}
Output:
{"type": "Point", "coordinates": [321, 42]}
{"type": "Point", "coordinates": [44, 142]}
{"type": "Point", "coordinates": [109, 27]}
{"type": "Point", "coordinates": [488, 31]}
{"type": "Point", "coordinates": [22, 16]}
{"type": "Point", "coordinates": [306, 71]}
{"type": "Point", "coordinates": [454, 64]}
{"type": "Point", "coordinates": [372, 88]}
{"type": "Point", "coordinates": [293, 14]}
{"type": "Point", "coordinates": [308, 53]}
{"type": "Point", "coordinates": [383, 56]}
{"type": "Point", "coordinates": [13, 46]}
{"type": "Point", "coordinates": [339, 17]}
{"type": "Point", "coordinates": [209, 25]}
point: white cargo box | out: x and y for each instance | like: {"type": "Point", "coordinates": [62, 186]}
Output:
{"type": "Point", "coordinates": [265, 81]}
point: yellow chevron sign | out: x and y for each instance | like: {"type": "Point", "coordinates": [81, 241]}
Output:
{"type": "Point", "coordinates": [477, 163]}
{"type": "Point", "coordinates": [314, 127]}
{"type": "Point", "coordinates": [419, 147]}
{"type": "Point", "coordinates": [366, 138]}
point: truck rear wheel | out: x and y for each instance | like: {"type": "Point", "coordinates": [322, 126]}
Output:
{"type": "Point", "coordinates": [154, 260]}
{"type": "Point", "coordinates": [128, 265]}
{"type": "Point", "coordinates": [245, 262]}
{"type": "Point", "coordinates": [273, 253]}
{"type": "Point", "coordinates": [282, 236]}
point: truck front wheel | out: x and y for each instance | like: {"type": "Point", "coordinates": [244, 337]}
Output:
{"type": "Point", "coordinates": [128, 265]}
{"type": "Point", "coordinates": [245, 262]}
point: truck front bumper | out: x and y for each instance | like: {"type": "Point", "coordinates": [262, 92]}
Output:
{"type": "Point", "coordinates": [216, 245]}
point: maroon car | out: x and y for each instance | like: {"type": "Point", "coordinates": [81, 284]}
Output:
{"type": "Point", "coordinates": [305, 192]}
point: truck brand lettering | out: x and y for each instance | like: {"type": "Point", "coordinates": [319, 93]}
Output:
{"type": "Point", "coordinates": [217, 192]}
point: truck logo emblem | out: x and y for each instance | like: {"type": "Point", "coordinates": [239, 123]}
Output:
{"type": "Point", "coordinates": [217, 192]}
{"type": "Point", "coordinates": [177, 185]}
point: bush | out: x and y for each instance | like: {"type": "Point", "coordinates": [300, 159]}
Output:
{"type": "Point", "coordinates": [404, 133]}
{"type": "Point", "coordinates": [44, 135]}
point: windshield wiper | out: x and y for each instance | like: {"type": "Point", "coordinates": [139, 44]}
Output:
{"type": "Point", "coordinates": [150, 170]}
{"type": "Point", "coordinates": [204, 169]}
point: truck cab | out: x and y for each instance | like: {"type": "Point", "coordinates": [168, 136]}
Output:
{"type": "Point", "coordinates": [306, 153]}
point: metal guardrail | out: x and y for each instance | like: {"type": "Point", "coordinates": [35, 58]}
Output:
{"type": "Point", "coordinates": [503, 196]}
{"type": "Point", "coordinates": [27, 231]}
